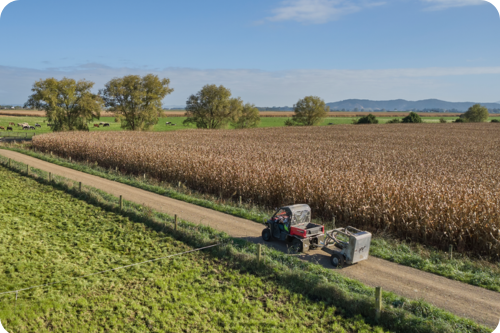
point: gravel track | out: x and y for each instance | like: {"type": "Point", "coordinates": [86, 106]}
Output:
{"type": "Point", "coordinates": [481, 305]}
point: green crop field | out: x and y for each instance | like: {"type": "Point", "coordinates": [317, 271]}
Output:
{"type": "Point", "coordinates": [48, 236]}
{"type": "Point", "coordinates": [162, 127]}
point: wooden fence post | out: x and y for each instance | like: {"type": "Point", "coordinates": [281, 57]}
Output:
{"type": "Point", "coordinates": [259, 252]}
{"type": "Point", "coordinates": [451, 252]}
{"type": "Point", "coordinates": [175, 222]}
{"type": "Point", "coordinates": [80, 186]}
{"type": "Point", "coordinates": [50, 176]}
{"type": "Point", "coordinates": [28, 170]}
{"type": "Point", "coordinates": [121, 202]}
{"type": "Point", "coordinates": [240, 200]}
{"type": "Point", "coordinates": [378, 302]}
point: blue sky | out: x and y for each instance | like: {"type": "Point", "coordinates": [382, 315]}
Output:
{"type": "Point", "coordinates": [268, 52]}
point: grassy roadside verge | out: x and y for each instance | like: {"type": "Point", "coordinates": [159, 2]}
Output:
{"type": "Point", "coordinates": [49, 235]}
{"type": "Point", "coordinates": [469, 270]}
{"type": "Point", "coordinates": [317, 284]}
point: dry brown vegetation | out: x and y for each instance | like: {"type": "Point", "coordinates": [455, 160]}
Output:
{"type": "Point", "coordinates": [436, 184]}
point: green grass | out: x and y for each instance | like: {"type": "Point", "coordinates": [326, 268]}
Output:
{"type": "Point", "coordinates": [474, 271]}
{"type": "Point", "coordinates": [222, 290]}
{"type": "Point", "coordinates": [161, 127]}
{"type": "Point", "coordinates": [48, 235]}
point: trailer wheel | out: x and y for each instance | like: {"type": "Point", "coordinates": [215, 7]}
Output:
{"type": "Point", "coordinates": [266, 235]}
{"type": "Point", "coordinates": [337, 260]}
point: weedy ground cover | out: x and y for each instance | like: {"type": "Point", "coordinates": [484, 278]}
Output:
{"type": "Point", "coordinates": [48, 236]}
{"type": "Point", "coordinates": [312, 281]}
{"type": "Point", "coordinates": [462, 267]}
{"type": "Point", "coordinates": [408, 179]}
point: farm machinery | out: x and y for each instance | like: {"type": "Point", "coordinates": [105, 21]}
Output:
{"type": "Point", "coordinates": [293, 225]}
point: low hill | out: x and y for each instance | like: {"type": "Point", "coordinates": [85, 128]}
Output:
{"type": "Point", "coordinates": [404, 105]}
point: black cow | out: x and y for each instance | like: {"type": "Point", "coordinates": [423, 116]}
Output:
{"type": "Point", "coordinates": [9, 129]}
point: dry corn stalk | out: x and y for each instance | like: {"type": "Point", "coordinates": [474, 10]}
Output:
{"type": "Point", "coordinates": [436, 184]}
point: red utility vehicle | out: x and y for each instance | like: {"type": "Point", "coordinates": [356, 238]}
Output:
{"type": "Point", "coordinates": [293, 224]}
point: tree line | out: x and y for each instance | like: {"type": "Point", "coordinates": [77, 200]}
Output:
{"type": "Point", "coordinates": [137, 101]}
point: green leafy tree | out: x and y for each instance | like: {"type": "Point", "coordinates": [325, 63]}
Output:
{"type": "Point", "coordinates": [476, 114]}
{"type": "Point", "coordinates": [137, 99]}
{"type": "Point", "coordinates": [309, 111]}
{"type": "Point", "coordinates": [369, 119]}
{"type": "Point", "coordinates": [69, 105]}
{"type": "Point", "coordinates": [412, 118]}
{"type": "Point", "coordinates": [212, 107]}
{"type": "Point", "coordinates": [249, 117]}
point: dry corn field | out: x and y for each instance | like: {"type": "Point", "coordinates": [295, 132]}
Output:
{"type": "Point", "coordinates": [433, 183]}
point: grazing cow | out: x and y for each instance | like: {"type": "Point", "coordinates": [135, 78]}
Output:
{"type": "Point", "coordinates": [105, 125]}
{"type": "Point", "coordinates": [19, 124]}
{"type": "Point", "coordinates": [168, 123]}
{"type": "Point", "coordinates": [38, 125]}
{"type": "Point", "coordinates": [172, 124]}
{"type": "Point", "coordinates": [26, 127]}
{"type": "Point", "coordinates": [32, 127]}
{"type": "Point", "coordinates": [101, 123]}
{"type": "Point", "coordinates": [12, 124]}
{"type": "Point", "coordinates": [96, 125]}
{"type": "Point", "coordinates": [9, 129]}
{"type": "Point", "coordinates": [1, 127]}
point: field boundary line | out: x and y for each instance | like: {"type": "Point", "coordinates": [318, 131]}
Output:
{"type": "Point", "coordinates": [361, 294]}
{"type": "Point", "coordinates": [108, 270]}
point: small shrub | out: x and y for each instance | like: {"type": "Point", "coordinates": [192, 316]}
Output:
{"type": "Point", "coordinates": [442, 120]}
{"type": "Point", "coordinates": [495, 121]}
{"type": "Point", "coordinates": [460, 120]}
{"type": "Point", "coordinates": [412, 118]}
{"type": "Point", "coordinates": [117, 119]}
{"type": "Point", "coordinates": [394, 121]}
{"type": "Point", "coordinates": [369, 119]}
{"type": "Point", "coordinates": [288, 122]}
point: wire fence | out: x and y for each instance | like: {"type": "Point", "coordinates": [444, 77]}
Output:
{"type": "Point", "coordinates": [106, 271]}
{"type": "Point", "coordinates": [47, 176]}
{"type": "Point", "coordinates": [17, 135]}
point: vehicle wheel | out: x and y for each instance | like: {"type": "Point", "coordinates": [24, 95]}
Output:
{"type": "Point", "coordinates": [337, 260]}
{"type": "Point", "coordinates": [266, 235]}
{"type": "Point", "coordinates": [296, 245]}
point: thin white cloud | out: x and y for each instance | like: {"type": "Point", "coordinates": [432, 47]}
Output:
{"type": "Point", "coordinates": [445, 4]}
{"type": "Point", "coordinates": [279, 88]}
{"type": "Point", "coordinates": [317, 11]}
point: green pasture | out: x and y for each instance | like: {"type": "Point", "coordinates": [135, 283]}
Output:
{"type": "Point", "coordinates": [162, 127]}
{"type": "Point", "coordinates": [49, 236]}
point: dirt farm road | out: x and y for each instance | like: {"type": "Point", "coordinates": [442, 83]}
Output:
{"type": "Point", "coordinates": [462, 299]}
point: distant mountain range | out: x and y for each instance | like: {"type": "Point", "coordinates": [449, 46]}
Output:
{"type": "Point", "coordinates": [404, 105]}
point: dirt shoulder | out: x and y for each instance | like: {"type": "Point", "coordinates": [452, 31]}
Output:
{"type": "Point", "coordinates": [481, 305]}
